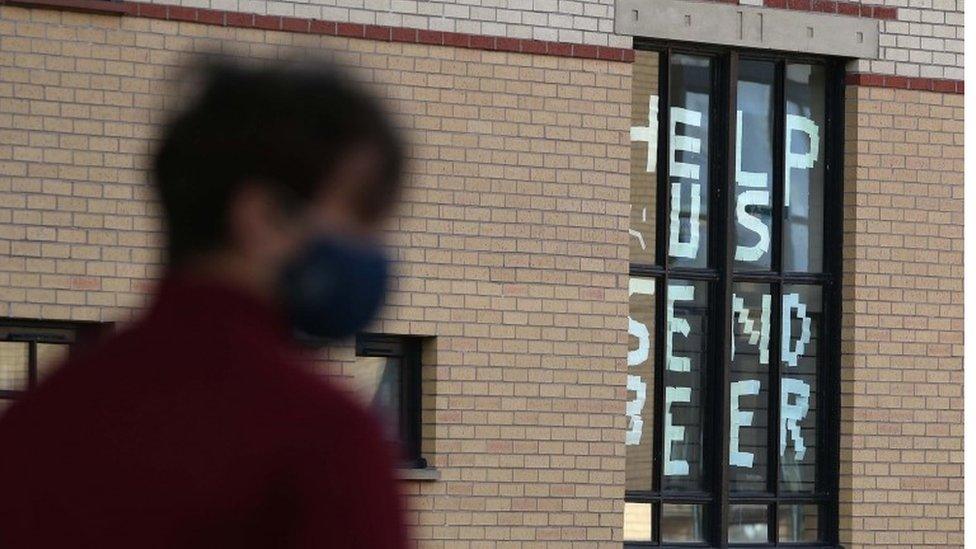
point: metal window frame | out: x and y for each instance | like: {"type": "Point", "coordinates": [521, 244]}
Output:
{"type": "Point", "coordinates": [33, 331]}
{"type": "Point", "coordinates": [721, 275]}
{"type": "Point", "coordinates": [408, 350]}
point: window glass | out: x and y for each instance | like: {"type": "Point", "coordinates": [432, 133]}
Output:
{"type": "Point", "coordinates": [49, 358]}
{"type": "Point", "coordinates": [682, 522]}
{"type": "Point", "coordinates": [748, 524]}
{"type": "Point", "coordinates": [749, 389]}
{"type": "Point", "coordinates": [798, 523]}
{"type": "Point", "coordinates": [754, 165]}
{"type": "Point", "coordinates": [685, 351]}
{"type": "Point", "coordinates": [688, 162]}
{"type": "Point", "coordinates": [803, 192]}
{"type": "Point", "coordinates": [637, 521]}
{"type": "Point", "coordinates": [645, 116]}
{"type": "Point", "coordinates": [800, 341]}
{"type": "Point", "coordinates": [377, 380]}
{"type": "Point", "coordinates": [14, 365]}
{"type": "Point", "coordinates": [640, 385]}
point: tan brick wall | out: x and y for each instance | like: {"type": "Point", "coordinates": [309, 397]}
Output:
{"type": "Point", "coordinates": [512, 245]}
{"type": "Point", "coordinates": [902, 417]}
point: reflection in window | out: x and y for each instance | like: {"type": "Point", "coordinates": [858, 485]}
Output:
{"type": "Point", "coordinates": [682, 522]}
{"type": "Point", "coordinates": [14, 365]}
{"type": "Point", "coordinates": [748, 524]}
{"type": "Point", "coordinates": [644, 129]}
{"type": "Point", "coordinates": [640, 385]}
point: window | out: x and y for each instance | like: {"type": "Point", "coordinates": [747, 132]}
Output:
{"type": "Point", "coordinates": [30, 350]}
{"type": "Point", "coordinates": [733, 364]}
{"type": "Point", "coordinates": [387, 376]}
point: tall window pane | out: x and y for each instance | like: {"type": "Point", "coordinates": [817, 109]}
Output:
{"type": "Point", "coordinates": [640, 385]}
{"type": "Point", "coordinates": [688, 165]}
{"type": "Point", "coordinates": [14, 365]}
{"type": "Point", "coordinates": [685, 351]}
{"type": "Point", "coordinates": [749, 389]}
{"type": "Point", "coordinates": [754, 165]}
{"type": "Point", "coordinates": [645, 116]}
{"type": "Point", "coordinates": [803, 194]}
{"type": "Point", "coordinates": [800, 340]}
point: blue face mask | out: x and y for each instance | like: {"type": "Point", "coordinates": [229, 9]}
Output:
{"type": "Point", "coordinates": [333, 288]}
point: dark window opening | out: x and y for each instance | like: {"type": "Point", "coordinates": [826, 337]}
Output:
{"type": "Point", "coordinates": [387, 374]}
{"type": "Point", "coordinates": [31, 350]}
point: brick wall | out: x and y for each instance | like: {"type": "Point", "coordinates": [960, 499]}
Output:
{"type": "Point", "coordinates": [902, 424]}
{"type": "Point", "coordinates": [512, 245]}
{"type": "Point", "coordinates": [926, 40]}
{"type": "Point", "coordinates": [576, 21]}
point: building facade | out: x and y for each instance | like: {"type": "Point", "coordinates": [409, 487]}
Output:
{"type": "Point", "coordinates": [667, 270]}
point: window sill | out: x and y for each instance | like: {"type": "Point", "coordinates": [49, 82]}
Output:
{"type": "Point", "coordinates": [427, 474]}
{"type": "Point", "coordinates": [108, 7]}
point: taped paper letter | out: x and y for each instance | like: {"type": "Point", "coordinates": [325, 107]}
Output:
{"type": "Point", "coordinates": [635, 408]}
{"type": "Point", "coordinates": [792, 414]}
{"type": "Point", "coordinates": [760, 336]}
{"type": "Point", "coordinates": [639, 329]}
{"type": "Point", "coordinates": [677, 326]}
{"type": "Point", "coordinates": [684, 170]}
{"type": "Point", "coordinates": [799, 161]}
{"type": "Point", "coordinates": [753, 223]}
{"type": "Point", "coordinates": [791, 302]}
{"type": "Point", "coordinates": [739, 419]}
{"type": "Point", "coordinates": [648, 134]}
{"type": "Point", "coordinates": [674, 433]}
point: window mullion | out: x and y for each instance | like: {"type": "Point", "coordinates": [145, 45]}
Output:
{"type": "Point", "coordinates": [725, 193]}
{"type": "Point", "coordinates": [31, 364]}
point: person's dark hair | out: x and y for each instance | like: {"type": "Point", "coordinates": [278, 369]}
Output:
{"type": "Point", "coordinates": [284, 126]}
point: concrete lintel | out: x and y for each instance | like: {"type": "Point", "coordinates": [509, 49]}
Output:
{"type": "Point", "coordinates": [747, 26]}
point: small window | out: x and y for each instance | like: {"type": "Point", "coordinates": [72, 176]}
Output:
{"type": "Point", "coordinates": [31, 350]}
{"type": "Point", "coordinates": [387, 376]}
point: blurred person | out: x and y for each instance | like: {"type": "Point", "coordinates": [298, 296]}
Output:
{"type": "Point", "coordinates": [199, 425]}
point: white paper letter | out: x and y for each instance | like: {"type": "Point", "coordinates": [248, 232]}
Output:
{"type": "Point", "coordinates": [639, 329]}
{"type": "Point", "coordinates": [739, 419]}
{"type": "Point", "coordinates": [676, 247]}
{"type": "Point", "coordinates": [753, 223]}
{"type": "Point", "coordinates": [685, 143]}
{"type": "Point", "coordinates": [760, 336]}
{"type": "Point", "coordinates": [799, 161]}
{"type": "Point", "coordinates": [792, 414]}
{"type": "Point", "coordinates": [648, 134]}
{"type": "Point", "coordinates": [674, 433]}
{"type": "Point", "coordinates": [635, 408]}
{"type": "Point", "coordinates": [676, 326]}
{"type": "Point", "coordinates": [791, 302]}
{"type": "Point", "coordinates": [634, 358]}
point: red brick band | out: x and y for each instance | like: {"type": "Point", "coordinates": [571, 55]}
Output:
{"type": "Point", "coordinates": [331, 28]}
{"type": "Point", "coordinates": [833, 6]}
{"type": "Point", "coordinates": [827, 6]}
{"type": "Point", "coordinates": [905, 82]}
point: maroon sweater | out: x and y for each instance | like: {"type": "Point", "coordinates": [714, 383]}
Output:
{"type": "Point", "coordinates": [196, 427]}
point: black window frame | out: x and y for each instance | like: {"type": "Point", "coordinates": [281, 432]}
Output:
{"type": "Point", "coordinates": [408, 349]}
{"type": "Point", "coordinates": [720, 275]}
{"type": "Point", "coordinates": [32, 331]}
